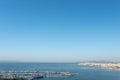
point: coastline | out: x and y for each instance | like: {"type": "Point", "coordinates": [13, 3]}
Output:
{"type": "Point", "coordinates": [111, 66]}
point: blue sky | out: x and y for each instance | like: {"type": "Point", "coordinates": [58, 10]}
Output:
{"type": "Point", "coordinates": [59, 30]}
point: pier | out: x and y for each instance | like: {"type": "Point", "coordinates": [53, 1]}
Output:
{"type": "Point", "coordinates": [31, 75]}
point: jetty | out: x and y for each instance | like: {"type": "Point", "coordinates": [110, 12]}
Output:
{"type": "Point", "coordinates": [32, 75]}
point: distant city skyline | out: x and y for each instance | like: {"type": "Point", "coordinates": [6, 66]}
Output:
{"type": "Point", "coordinates": [59, 30]}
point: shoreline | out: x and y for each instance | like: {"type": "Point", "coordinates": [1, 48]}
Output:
{"type": "Point", "coordinates": [111, 66]}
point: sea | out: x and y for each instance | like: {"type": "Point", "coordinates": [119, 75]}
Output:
{"type": "Point", "coordinates": [80, 72]}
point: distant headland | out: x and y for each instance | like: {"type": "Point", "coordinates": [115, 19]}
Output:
{"type": "Point", "coordinates": [106, 65]}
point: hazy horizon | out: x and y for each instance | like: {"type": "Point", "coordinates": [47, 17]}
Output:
{"type": "Point", "coordinates": [59, 30]}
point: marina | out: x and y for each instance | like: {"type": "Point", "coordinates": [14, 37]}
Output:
{"type": "Point", "coordinates": [32, 75]}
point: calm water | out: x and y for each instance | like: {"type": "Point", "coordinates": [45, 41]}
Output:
{"type": "Point", "coordinates": [82, 73]}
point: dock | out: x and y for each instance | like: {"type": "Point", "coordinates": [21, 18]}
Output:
{"type": "Point", "coordinates": [32, 75]}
